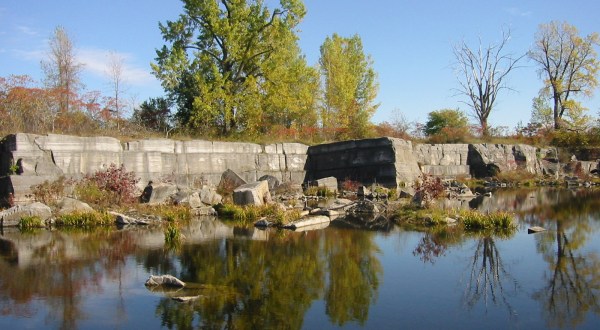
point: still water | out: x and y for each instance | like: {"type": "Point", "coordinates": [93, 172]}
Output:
{"type": "Point", "coordinates": [338, 277]}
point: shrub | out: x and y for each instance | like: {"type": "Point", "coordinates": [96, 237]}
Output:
{"type": "Point", "coordinates": [350, 185]}
{"type": "Point", "coordinates": [427, 189]}
{"type": "Point", "coordinates": [48, 192]}
{"type": "Point", "coordinates": [111, 186]}
{"type": "Point", "coordinates": [172, 235]}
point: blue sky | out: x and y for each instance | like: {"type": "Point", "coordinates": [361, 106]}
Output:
{"type": "Point", "coordinates": [410, 43]}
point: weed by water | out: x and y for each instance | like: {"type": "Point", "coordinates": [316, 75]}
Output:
{"type": "Point", "coordinates": [30, 222]}
{"type": "Point", "coordinates": [474, 220]}
{"type": "Point", "coordinates": [85, 219]}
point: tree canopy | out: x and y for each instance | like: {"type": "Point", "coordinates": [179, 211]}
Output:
{"type": "Point", "coordinates": [224, 57]}
{"type": "Point", "coordinates": [568, 64]}
{"type": "Point", "coordinates": [350, 87]}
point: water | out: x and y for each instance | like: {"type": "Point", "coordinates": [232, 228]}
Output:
{"type": "Point", "coordinates": [338, 277]}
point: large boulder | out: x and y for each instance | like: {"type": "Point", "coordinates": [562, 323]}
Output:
{"type": "Point", "coordinates": [231, 180]}
{"type": "Point", "coordinates": [162, 193]}
{"type": "Point", "coordinates": [273, 181]}
{"type": "Point", "coordinates": [166, 280]}
{"type": "Point", "coordinates": [13, 215]}
{"type": "Point", "coordinates": [209, 196]}
{"type": "Point", "coordinates": [70, 205]}
{"type": "Point", "coordinates": [256, 193]}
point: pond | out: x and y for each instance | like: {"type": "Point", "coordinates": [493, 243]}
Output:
{"type": "Point", "coordinates": [338, 277]}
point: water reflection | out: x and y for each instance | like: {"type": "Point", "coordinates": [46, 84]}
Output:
{"type": "Point", "coordinates": [573, 276]}
{"type": "Point", "coordinates": [276, 281]}
{"type": "Point", "coordinates": [249, 278]}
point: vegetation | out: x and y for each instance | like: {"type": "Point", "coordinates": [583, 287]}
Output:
{"type": "Point", "coordinates": [85, 219]}
{"type": "Point", "coordinates": [30, 222]}
{"type": "Point", "coordinates": [446, 126]}
{"type": "Point", "coordinates": [568, 64]}
{"type": "Point", "coordinates": [350, 88]}
{"type": "Point", "coordinates": [474, 220]}
{"type": "Point", "coordinates": [249, 214]}
{"type": "Point", "coordinates": [111, 186]}
{"type": "Point", "coordinates": [48, 192]}
{"type": "Point", "coordinates": [483, 75]}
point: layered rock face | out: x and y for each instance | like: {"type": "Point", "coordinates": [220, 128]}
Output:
{"type": "Point", "coordinates": [443, 159]}
{"type": "Point", "coordinates": [37, 158]}
{"type": "Point", "coordinates": [386, 161]}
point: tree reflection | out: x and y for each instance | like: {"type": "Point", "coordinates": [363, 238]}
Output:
{"type": "Point", "coordinates": [249, 284]}
{"type": "Point", "coordinates": [487, 276]}
{"type": "Point", "coordinates": [573, 278]}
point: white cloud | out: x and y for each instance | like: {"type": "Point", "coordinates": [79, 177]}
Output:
{"type": "Point", "coordinates": [97, 62]}
{"type": "Point", "coordinates": [515, 11]}
{"type": "Point", "coordinates": [27, 30]}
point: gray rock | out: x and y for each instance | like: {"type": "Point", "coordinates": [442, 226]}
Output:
{"type": "Point", "coordinates": [209, 196]}
{"type": "Point", "coordinates": [363, 191]}
{"type": "Point", "coordinates": [329, 183]}
{"type": "Point", "coordinates": [231, 179]}
{"type": "Point", "coordinates": [194, 200]}
{"type": "Point", "coordinates": [70, 205]}
{"type": "Point", "coordinates": [162, 193]}
{"type": "Point", "coordinates": [535, 229]}
{"type": "Point", "coordinates": [166, 280]}
{"type": "Point", "coordinates": [273, 181]}
{"type": "Point", "coordinates": [204, 211]}
{"type": "Point", "coordinates": [263, 223]}
{"type": "Point", "coordinates": [12, 216]}
{"type": "Point", "coordinates": [256, 193]}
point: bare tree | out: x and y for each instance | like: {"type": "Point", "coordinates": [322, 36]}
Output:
{"type": "Point", "coordinates": [568, 64]}
{"type": "Point", "coordinates": [481, 74]}
{"type": "Point", "coordinates": [62, 69]}
{"type": "Point", "coordinates": [115, 72]}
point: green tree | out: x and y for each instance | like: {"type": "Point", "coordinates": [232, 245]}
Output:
{"type": "Point", "coordinates": [350, 87]}
{"type": "Point", "coordinates": [446, 125]}
{"type": "Point", "coordinates": [568, 64]}
{"type": "Point", "coordinates": [216, 63]}
{"type": "Point", "coordinates": [154, 114]}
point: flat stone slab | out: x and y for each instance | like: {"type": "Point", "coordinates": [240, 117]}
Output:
{"type": "Point", "coordinates": [535, 229]}
{"type": "Point", "coordinates": [309, 221]}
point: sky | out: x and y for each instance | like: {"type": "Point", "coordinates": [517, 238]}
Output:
{"type": "Point", "coordinates": [410, 43]}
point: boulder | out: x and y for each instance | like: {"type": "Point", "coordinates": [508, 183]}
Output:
{"type": "Point", "coordinates": [273, 181]}
{"type": "Point", "coordinates": [256, 193]}
{"type": "Point", "coordinates": [162, 193]}
{"type": "Point", "coordinates": [70, 205]}
{"type": "Point", "coordinates": [204, 211]}
{"type": "Point", "coordinates": [329, 183]}
{"type": "Point", "coordinates": [194, 200]}
{"type": "Point", "coordinates": [13, 215]}
{"type": "Point", "coordinates": [166, 280]}
{"type": "Point", "coordinates": [366, 207]}
{"type": "Point", "coordinates": [209, 196]}
{"type": "Point", "coordinates": [231, 180]}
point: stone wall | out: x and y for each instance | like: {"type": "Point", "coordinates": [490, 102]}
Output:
{"type": "Point", "coordinates": [43, 157]}
{"type": "Point", "coordinates": [386, 161]}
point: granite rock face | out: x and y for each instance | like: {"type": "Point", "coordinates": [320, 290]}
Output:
{"type": "Point", "coordinates": [183, 163]}
{"type": "Point", "coordinates": [387, 161]}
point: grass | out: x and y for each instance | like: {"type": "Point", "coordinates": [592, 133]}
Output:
{"type": "Point", "coordinates": [85, 219]}
{"type": "Point", "coordinates": [474, 220]}
{"type": "Point", "coordinates": [247, 215]}
{"type": "Point", "coordinates": [31, 222]}
{"type": "Point", "coordinates": [172, 235]}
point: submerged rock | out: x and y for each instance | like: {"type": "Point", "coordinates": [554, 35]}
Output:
{"type": "Point", "coordinates": [166, 280]}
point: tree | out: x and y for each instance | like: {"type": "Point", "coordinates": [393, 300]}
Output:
{"type": "Point", "coordinates": [350, 86]}
{"type": "Point", "coordinates": [446, 125]}
{"type": "Point", "coordinates": [117, 83]}
{"type": "Point", "coordinates": [154, 114]}
{"type": "Point", "coordinates": [215, 64]}
{"type": "Point", "coordinates": [482, 75]}
{"type": "Point", "coordinates": [62, 69]}
{"type": "Point", "coordinates": [567, 63]}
